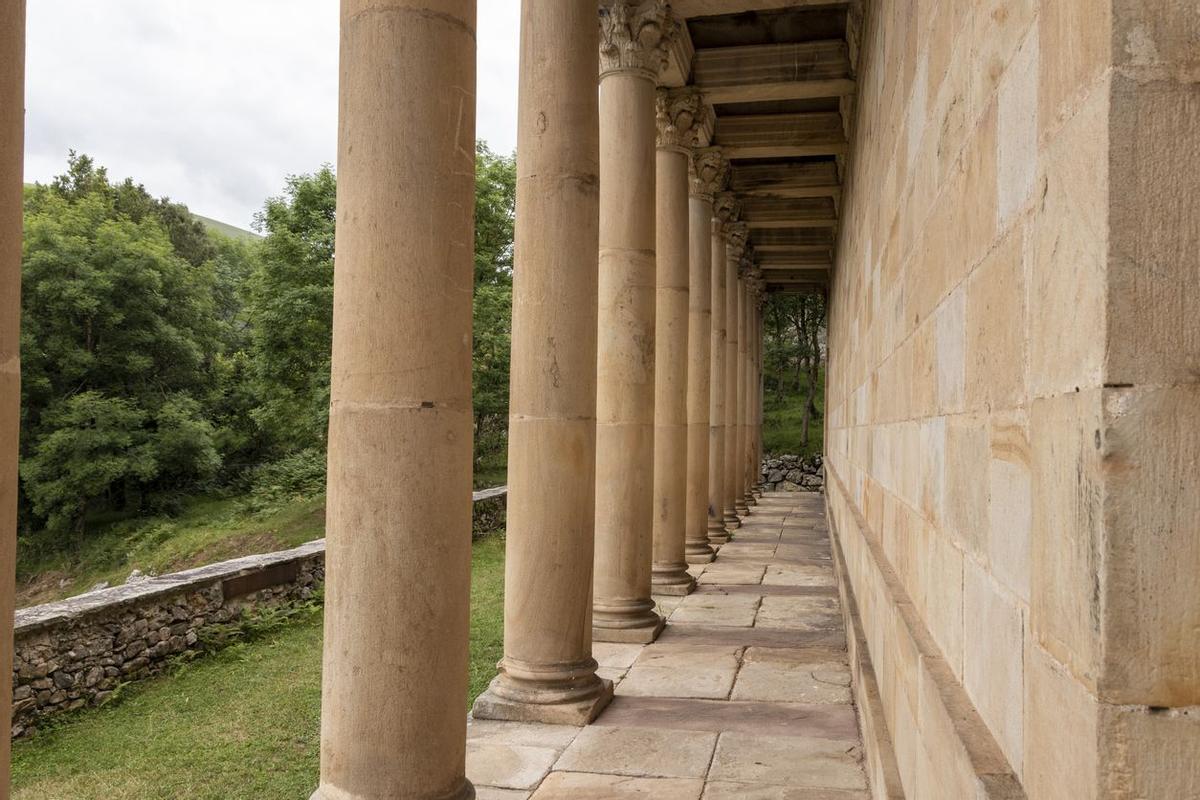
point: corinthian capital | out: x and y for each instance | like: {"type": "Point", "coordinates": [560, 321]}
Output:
{"type": "Point", "coordinates": [683, 119]}
{"type": "Point", "coordinates": [737, 233]}
{"type": "Point", "coordinates": [725, 208]}
{"type": "Point", "coordinates": [707, 171]}
{"type": "Point", "coordinates": [635, 37]}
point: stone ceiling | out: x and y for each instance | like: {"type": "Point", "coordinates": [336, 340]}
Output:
{"type": "Point", "coordinates": [780, 78]}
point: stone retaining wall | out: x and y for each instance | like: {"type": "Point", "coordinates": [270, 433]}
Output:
{"type": "Point", "coordinates": [77, 652]}
{"type": "Point", "coordinates": [792, 474]}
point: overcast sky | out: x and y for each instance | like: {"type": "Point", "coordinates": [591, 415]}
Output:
{"type": "Point", "coordinates": [213, 102]}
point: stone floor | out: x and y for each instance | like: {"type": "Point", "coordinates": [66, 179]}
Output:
{"type": "Point", "coordinates": [746, 694]}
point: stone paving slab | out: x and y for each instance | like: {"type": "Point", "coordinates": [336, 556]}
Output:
{"type": "Point", "coordinates": [639, 752]}
{"type": "Point", "coordinates": [828, 721]}
{"type": "Point", "coordinates": [788, 761]}
{"type": "Point", "coordinates": [745, 695]}
{"type": "Point", "coordinates": [590, 786]}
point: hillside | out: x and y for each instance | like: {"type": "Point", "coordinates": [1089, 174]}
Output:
{"type": "Point", "coordinates": [226, 229]}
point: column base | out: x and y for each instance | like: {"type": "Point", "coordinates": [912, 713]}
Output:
{"type": "Point", "coordinates": [717, 533]}
{"type": "Point", "coordinates": [629, 635]}
{"type": "Point", "coordinates": [750, 499]}
{"type": "Point", "coordinates": [628, 622]}
{"type": "Point", "coordinates": [504, 701]}
{"type": "Point", "coordinates": [671, 579]}
{"type": "Point", "coordinates": [700, 554]}
{"type": "Point", "coordinates": [464, 792]}
{"type": "Point", "coordinates": [731, 520]}
{"type": "Point", "coordinates": [741, 508]}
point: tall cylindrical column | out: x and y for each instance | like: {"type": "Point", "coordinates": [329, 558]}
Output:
{"type": "Point", "coordinates": [751, 387]}
{"type": "Point", "coordinates": [756, 391]}
{"type": "Point", "coordinates": [548, 674]}
{"type": "Point", "coordinates": [706, 175]}
{"type": "Point", "coordinates": [743, 382]}
{"type": "Point", "coordinates": [399, 486]}
{"type": "Point", "coordinates": [733, 261]}
{"type": "Point", "coordinates": [12, 138]}
{"type": "Point", "coordinates": [723, 210]}
{"type": "Point", "coordinates": [633, 44]}
{"type": "Point", "coordinates": [679, 114]}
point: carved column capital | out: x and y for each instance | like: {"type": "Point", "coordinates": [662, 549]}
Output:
{"type": "Point", "coordinates": [707, 172]}
{"type": "Point", "coordinates": [635, 37]}
{"type": "Point", "coordinates": [725, 211]}
{"type": "Point", "coordinates": [737, 233]}
{"type": "Point", "coordinates": [683, 119]}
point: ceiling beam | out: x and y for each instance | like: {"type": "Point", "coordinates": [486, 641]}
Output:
{"type": "Point", "coordinates": [767, 72]}
{"type": "Point", "coordinates": [708, 8]}
{"type": "Point", "coordinates": [795, 180]}
{"type": "Point", "coordinates": [781, 135]}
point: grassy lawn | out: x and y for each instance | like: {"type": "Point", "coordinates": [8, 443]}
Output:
{"type": "Point", "coordinates": [782, 421]}
{"type": "Point", "coordinates": [243, 723]}
{"type": "Point", "coordinates": [209, 529]}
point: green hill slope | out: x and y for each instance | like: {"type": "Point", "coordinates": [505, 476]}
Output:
{"type": "Point", "coordinates": [226, 229]}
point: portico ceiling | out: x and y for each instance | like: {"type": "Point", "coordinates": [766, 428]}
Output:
{"type": "Point", "coordinates": [780, 79]}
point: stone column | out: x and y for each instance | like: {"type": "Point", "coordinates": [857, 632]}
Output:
{"type": "Point", "coordinates": [706, 175]}
{"type": "Point", "coordinates": [754, 290]}
{"type": "Point", "coordinates": [750, 282]}
{"type": "Point", "coordinates": [723, 210]}
{"type": "Point", "coordinates": [757, 388]}
{"type": "Point", "coordinates": [12, 137]}
{"type": "Point", "coordinates": [400, 424]}
{"type": "Point", "coordinates": [633, 49]}
{"type": "Point", "coordinates": [681, 116]}
{"type": "Point", "coordinates": [743, 382]}
{"type": "Point", "coordinates": [548, 674]}
{"type": "Point", "coordinates": [733, 261]}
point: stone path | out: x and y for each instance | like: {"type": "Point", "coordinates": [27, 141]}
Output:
{"type": "Point", "coordinates": [746, 694]}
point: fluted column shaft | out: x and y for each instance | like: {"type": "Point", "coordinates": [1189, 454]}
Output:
{"type": "Point", "coordinates": [732, 406]}
{"type": "Point", "coordinates": [623, 608]}
{"type": "Point", "coordinates": [548, 673]}
{"type": "Point", "coordinates": [677, 113]}
{"type": "Point", "coordinates": [743, 383]}
{"type": "Point", "coordinates": [717, 534]}
{"type": "Point", "coordinates": [400, 422]}
{"type": "Point", "coordinates": [12, 137]}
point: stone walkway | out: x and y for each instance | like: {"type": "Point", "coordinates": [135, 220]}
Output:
{"type": "Point", "coordinates": [746, 694]}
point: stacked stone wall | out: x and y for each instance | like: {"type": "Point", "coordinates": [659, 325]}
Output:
{"type": "Point", "coordinates": [77, 652]}
{"type": "Point", "coordinates": [1012, 444]}
{"type": "Point", "coordinates": [790, 473]}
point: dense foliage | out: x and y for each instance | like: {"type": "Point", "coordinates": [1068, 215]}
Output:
{"type": "Point", "coordinates": [793, 354]}
{"type": "Point", "coordinates": [161, 360]}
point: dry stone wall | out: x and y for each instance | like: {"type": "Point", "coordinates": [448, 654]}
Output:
{"type": "Point", "coordinates": [76, 652]}
{"type": "Point", "coordinates": [790, 473]}
{"type": "Point", "coordinates": [1012, 445]}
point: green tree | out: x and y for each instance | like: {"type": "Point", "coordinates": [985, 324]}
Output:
{"type": "Point", "coordinates": [120, 334]}
{"type": "Point", "coordinates": [495, 213]}
{"type": "Point", "coordinates": [290, 310]}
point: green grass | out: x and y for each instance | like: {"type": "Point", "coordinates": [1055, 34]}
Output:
{"type": "Point", "coordinates": [242, 723]}
{"type": "Point", "coordinates": [209, 529]}
{"type": "Point", "coordinates": [783, 421]}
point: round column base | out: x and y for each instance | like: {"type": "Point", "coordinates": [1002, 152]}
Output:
{"type": "Point", "coordinates": [731, 519]}
{"type": "Point", "coordinates": [466, 791]}
{"type": "Point", "coordinates": [741, 508]}
{"type": "Point", "coordinates": [671, 578]}
{"type": "Point", "coordinates": [562, 695]}
{"type": "Point", "coordinates": [626, 622]}
{"type": "Point", "coordinates": [699, 553]}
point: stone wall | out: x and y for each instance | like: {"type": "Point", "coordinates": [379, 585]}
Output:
{"type": "Point", "coordinates": [792, 474]}
{"type": "Point", "coordinates": [1012, 446]}
{"type": "Point", "coordinates": [77, 652]}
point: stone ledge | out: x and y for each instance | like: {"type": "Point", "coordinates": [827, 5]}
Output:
{"type": "Point", "coordinates": [956, 749]}
{"type": "Point", "coordinates": [75, 652]}
{"type": "Point", "coordinates": [879, 749]}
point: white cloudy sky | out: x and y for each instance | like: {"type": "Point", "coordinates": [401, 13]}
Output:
{"type": "Point", "coordinates": [212, 102]}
